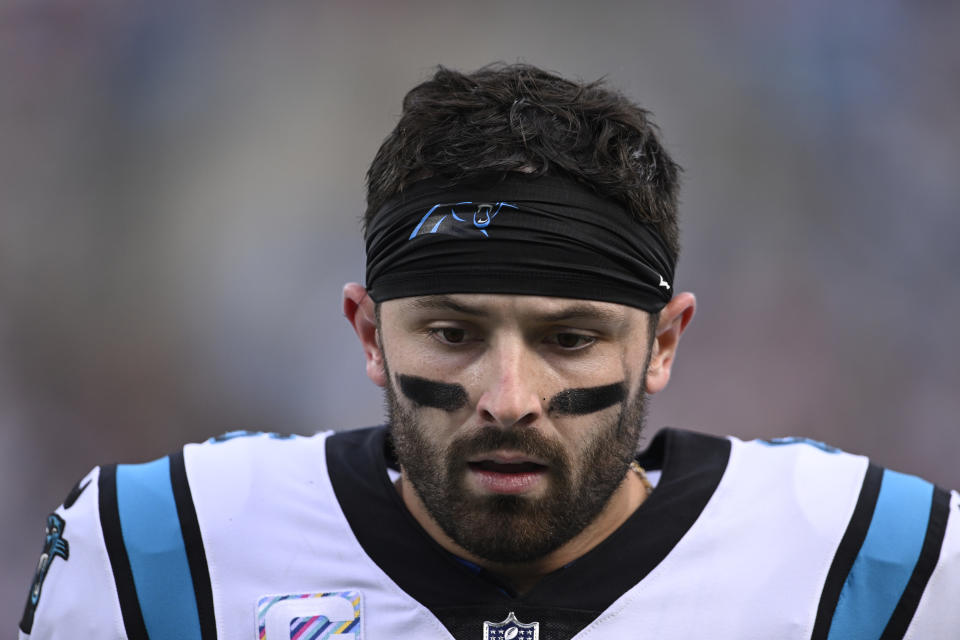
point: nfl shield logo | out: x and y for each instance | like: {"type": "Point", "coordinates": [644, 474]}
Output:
{"type": "Point", "coordinates": [511, 629]}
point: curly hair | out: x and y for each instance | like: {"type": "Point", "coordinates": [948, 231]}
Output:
{"type": "Point", "coordinates": [518, 117]}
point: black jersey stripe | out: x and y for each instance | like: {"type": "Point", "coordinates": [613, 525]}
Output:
{"type": "Point", "coordinates": [117, 552]}
{"type": "Point", "coordinates": [929, 555]}
{"type": "Point", "coordinates": [847, 551]}
{"type": "Point", "coordinates": [193, 541]}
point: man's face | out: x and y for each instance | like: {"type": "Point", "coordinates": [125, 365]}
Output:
{"type": "Point", "coordinates": [514, 417]}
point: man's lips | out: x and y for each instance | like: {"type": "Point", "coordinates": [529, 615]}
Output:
{"type": "Point", "coordinates": [506, 473]}
{"type": "Point", "coordinates": [506, 467]}
{"type": "Point", "coordinates": [506, 457]}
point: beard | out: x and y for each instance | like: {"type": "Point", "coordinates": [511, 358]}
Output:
{"type": "Point", "coordinates": [516, 528]}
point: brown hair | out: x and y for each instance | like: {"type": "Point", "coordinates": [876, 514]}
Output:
{"type": "Point", "coordinates": [520, 118]}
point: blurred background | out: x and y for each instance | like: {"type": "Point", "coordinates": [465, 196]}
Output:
{"type": "Point", "coordinates": [181, 184]}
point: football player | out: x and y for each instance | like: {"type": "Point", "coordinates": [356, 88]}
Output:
{"type": "Point", "coordinates": [518, 311]}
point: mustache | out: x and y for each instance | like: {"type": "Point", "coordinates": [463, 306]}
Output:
{"type": "Point", "coordinates": [526, 441]}
{"type": "Point", "coordinates": [449, 396]}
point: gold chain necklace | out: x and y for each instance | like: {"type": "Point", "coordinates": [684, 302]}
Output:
{"type": "Point", "coordinates": [643, 476]}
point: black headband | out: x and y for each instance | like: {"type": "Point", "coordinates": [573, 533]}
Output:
{"type": "Point", "coordinates": [516, 234]}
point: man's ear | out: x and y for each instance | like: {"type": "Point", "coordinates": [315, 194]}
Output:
{"type": "Point", "coordinates": [674, 319]}
{"type": "Point", "coordinates": [359, 309]}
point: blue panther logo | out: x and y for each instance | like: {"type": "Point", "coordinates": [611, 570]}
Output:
{"type": "Point", "coordinates": [476, 215]}
{"type": "Point", "coordinates": [53, 545]}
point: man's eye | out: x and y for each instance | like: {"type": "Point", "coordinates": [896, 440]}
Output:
{"type": "Point", "coordinates": [450, 335]}
{"type": "Point", "coordinates": [573, 340]}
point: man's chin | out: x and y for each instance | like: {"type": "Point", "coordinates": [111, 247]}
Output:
{"type": "Point", "coordinates": [504, 529]}
{"type": "Point", "coordinates": [505, 549]}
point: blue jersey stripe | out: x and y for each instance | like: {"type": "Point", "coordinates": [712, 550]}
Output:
{"type": "Point", "coordinates": [886, 559]}
{"type": "Point", "coordinates": [158, 558]}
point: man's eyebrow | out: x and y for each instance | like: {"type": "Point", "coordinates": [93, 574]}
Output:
{"type": "Point", "coordinates": [572, 311]}
{"type": "Point", "coordinates": [446, 303]}
{"type": "Point", "coordinates": [581, 311]}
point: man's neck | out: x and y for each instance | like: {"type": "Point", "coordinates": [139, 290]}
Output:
{"type": "Point", "coordinates": [522, 576]}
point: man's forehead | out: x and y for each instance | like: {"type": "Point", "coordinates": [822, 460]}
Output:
{"type": "Point", "coordinates": [540, 308]}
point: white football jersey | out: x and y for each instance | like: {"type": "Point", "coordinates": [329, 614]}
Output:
{"type": "Point", "coordinates": [295, 538]}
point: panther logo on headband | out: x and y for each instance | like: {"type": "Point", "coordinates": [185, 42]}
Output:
{"type": "Point", "coordinates": [461, 219]}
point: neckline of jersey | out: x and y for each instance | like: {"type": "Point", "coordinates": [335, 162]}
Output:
{"type": "Point", "coordinates": [692, 465]}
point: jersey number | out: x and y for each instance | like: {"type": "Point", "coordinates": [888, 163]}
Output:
{"type": "Point", "coordinates": [310, 616]}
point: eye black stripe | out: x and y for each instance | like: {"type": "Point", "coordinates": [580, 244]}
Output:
{"type": "Point", "coordinates": [431, 393]}
{"type": "Point", "coordinates": [578, 402]}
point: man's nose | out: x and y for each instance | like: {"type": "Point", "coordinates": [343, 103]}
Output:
{"type": "Point", "coordinates": [510, 398]}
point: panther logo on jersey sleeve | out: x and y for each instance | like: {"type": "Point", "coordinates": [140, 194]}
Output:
{"type": "Point", "coordinates": [54, 545]}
